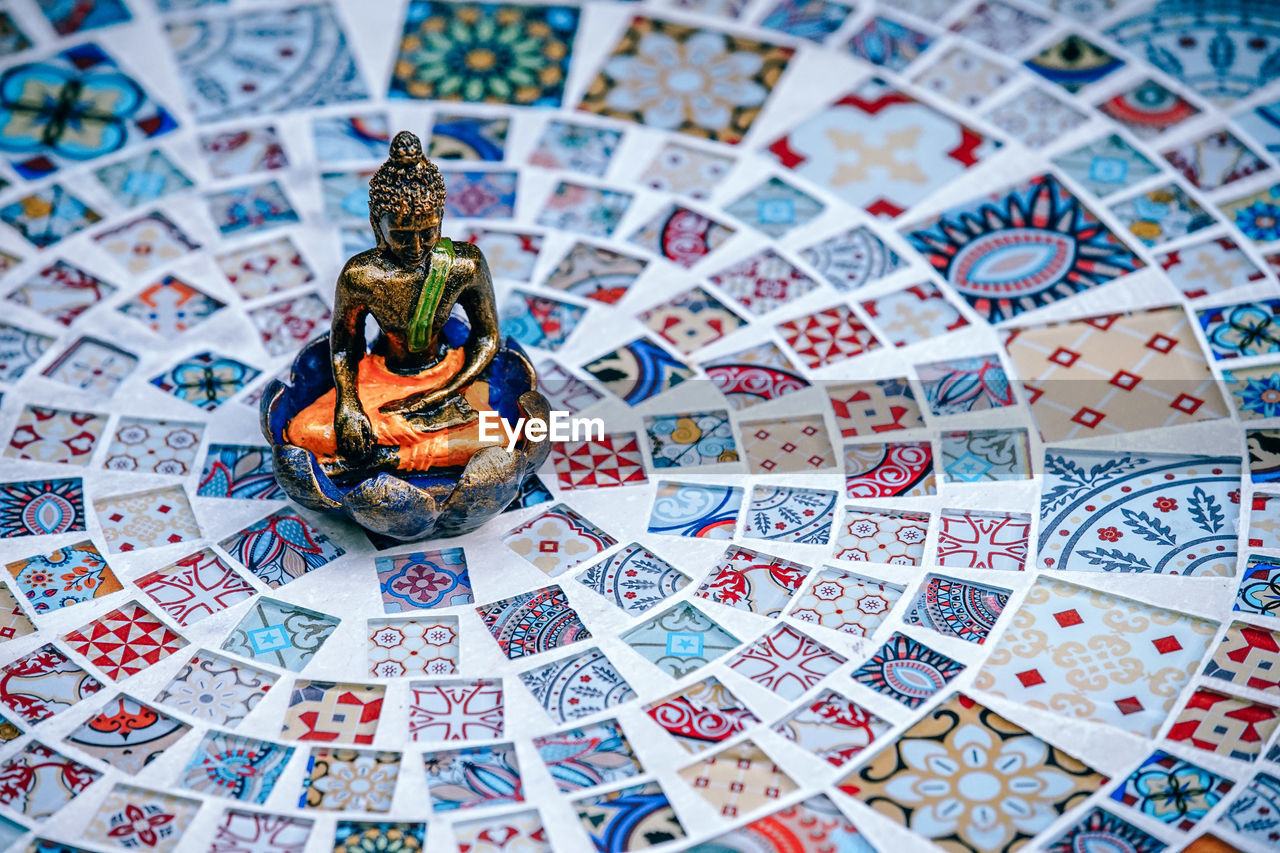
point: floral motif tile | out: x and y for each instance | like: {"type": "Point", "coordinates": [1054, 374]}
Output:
{"type": "Point", "coordinates": [967, 735]}
{"type": "Point", "coordinates": [986, 455]}
{"type": "Point", "coordinates": [206, 380]}
{"type": "Point", "coordinates": [1036, 117]}
{"type": "Point", "coordinates": [127, 734]}
{"type": "Point", "coordinates": [786, 514]}
{"type": "Point", "coordinates": [593, 211]}
{"type": "Point", "coordinates": [558, 539]}
{"type": "Point", "coordinates": [153, 446]}
{"type": "Point", "coordinates": [913, 314]}
{"type": "Point", "coordinates": [852, 259]}
{"type": "Point", "coordinates": [1259, 590]}
{"type": "Point", "coordinates": [455, 710]}
{"type": "Point", "coordinates": [234, 766]}
{"type": "Point", "coordinates": [744, 70]}
{"type": "Point", "coordinates": [577, 686]}
{"type": "Point", "coordinates": [1000, 26]}
{"type": "Point", "coordinates": [763, 282]}
{"type": "Point", "coordinates": [695, 510]}
{"type": "Point", "coordinates": [681, 235]}
{"type": "Point", "coordinates": [146, 243]}
{"type": "Point", "coordinates": [596, 272]}
{"type": "Point", "coordinates": [170, 306]}
{"type": "Point", "coordinates": [19, 349]}
{"type": "Point", "coordinates": [738, 779]}
{"type": "Point", "coordinates": [1253, 813]}
{"type": "Point", "coordinates": [1254, 391]}
{"type": "Point", "coordinates": [1255, 213]}
{"type": "Point", "coordinates": [874, 406]}
{"type": "Point", "coordinates": [44, 683]}
{"type": "Point", "coordinates": [844, 601]}
{"type": "Point", "coordinates": [139, 818]}
{"type": "Point", "coordinates": [752, 581]}
{"type": "Point", "coordinates": [588, 756]}
{"type": "Point", "coordinates": [832, 727]}
{"type": "Point", "coordinates": [480, 195]}
{"type": "Point", "coordinates": [61, 292]}
{"type": "Point", "coordinates": [906, 670]}
{"type": "Point", "coordinates": [638, 370]}
{"type": "Point", "coordinates": [473, 776]}
{"type": "Point", "coordinates": [125, 641]}
{"type": "Point", "coordinates": [1100, 826]}
{"type": "Point", "coordinates": [702, 715]}
{"type": "Point", "coordinates": [1148, 109]}
{"type": "Point", "coordinates": [243, 151]}
{"type": "Point", "coordinates": [424, 580]}
{"type": "Point", "coordinates": [265, 268]}
{"type": "Point", "coordinates": [575, 147]}
{"type": "Point", "coordinates": [341, 779]}
{"type": "Point", "coordinates": [280, 634]}
{"type": "Point", "coordinates": [1164, 645]}
{"type": "Point", "coordinates": [1172, 790]}
{"type": "Point", "coordinates": [755, 375]}
{"type": "Point", "coordinates": [280, 548]}
{"type": "Point", "coordinates": [48, 215]}
{"type": "Point", "coordinates": [879, 149]}
{"type": "Point", "coordinates": [533, 622]}
{"type": "Point", "coordinates": [786, 662]}
{"type": "Point", "coordinates": [956, 608]}
{"type": "Point", "coordinates": [685, 170]}
{"type": "Point", "coordinates": [632, 818]}
{"type": "Point", "coordinates": [1243, 329]}
{"type": "Point", "coordinates": [963, 77]}
{"type": "Point", "coordinates": [1160, 215]}
{"type": "Point", "coordinates": [413, 646]}
{"type": "Point", "coordinates": [147, 519]}
{"type": "Point", "coordinates": [790, 445]}
{"type": "Point", "coordinates": [774, 207]}
{"type": "Point", "coordinates": [828, 336]}
{"type": "Point", "coordinates": [40, 781]}
{"type": "Point", "coordinates": [680, 640]}
{"type": "Point", "coordinates": [634, 579]}
{"type": "Point", "coordinates": [240, 471]}
{"type": "Point", "coordinates": [1114, 374]}
{"type": "Point", "coordinates": [1224, 725]}
{"type": "Point", "coordinates": [956, 386]}
{"type": "Point", "coordinates": [1106, 165]}
{"type": "Point", "coordinates": [64, 577]}
{"type": "Point", "coordinates": [889, 469]}
{"type": "Point", "coordinates": [537, 321]}
{"type": "Point", "coordinates": [195, 587]}
{"type": "Point", "coordinates": [92, 365]}
{"type": "Point", "coordinates": [354, 836]}
{"type": "Point", "coordinates": [41, 507]}
{"type": "Point", "coordinates": [286, 325]}
{"type": "Point", "coordinates": [978, 539]}
{"type": "Point", "coordinates": [896, 537]}
{"type": "Point", "coordinates": [691, 320]}
{"type": "Point", "coordinates": [144, 178]}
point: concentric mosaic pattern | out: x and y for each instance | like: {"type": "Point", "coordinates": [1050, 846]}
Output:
{"type": "Point", "coordinates": [938, 348]}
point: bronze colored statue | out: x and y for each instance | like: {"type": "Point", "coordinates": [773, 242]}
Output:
{"type": "Point", "coordinates": [413, 403]}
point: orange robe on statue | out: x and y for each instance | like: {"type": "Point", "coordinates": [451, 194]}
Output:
{"type": "Point", "coordinates": [376, 386]}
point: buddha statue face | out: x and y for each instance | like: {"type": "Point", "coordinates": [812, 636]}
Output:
{"type": "Point", "coordinates": [410, 237]}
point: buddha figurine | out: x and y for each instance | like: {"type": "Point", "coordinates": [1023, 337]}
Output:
{"type": "Point", "coordinates": [392, 434]}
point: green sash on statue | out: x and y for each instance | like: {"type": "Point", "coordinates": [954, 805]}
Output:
{"type": "Point", "coordinates": [432, 289]}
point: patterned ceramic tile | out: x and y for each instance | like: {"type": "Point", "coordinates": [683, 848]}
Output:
{"type": "Point", "coordinates": [1074, 62]}
{"type": "Point", "coordinates": [41, 507]}
{"type": "Point", "coordinates": [874, 406]}
{"type": "Point", "coordinates": [139, 818]}
{"type": "Point", "coordinates": [908, 671]}
{"type": "Point", "coordinates": [843, 601]}
{"type": "Point", "coordinates": [577, 686]}
{"type": "Point", "coordinates": [913, 314]}
{"type": "Point", "coordinates": [880, 149]}
{"type": "Point", "coordinates": [976, 539]}
{"type": "Point", "coordinates": [350, 780]}
{"type": "Point", "coordinates": [265, 268]}
{"type": "Point", "coordinates": [882, 536]}
{"type": "Point", "coordinates": [702, 715]}
{"type": "Point", "coordinates": [1148, 109]}
{"type": "Point", "coordinates": [749, 580]}
{"type": "Point", "coordinates": [1253, 813]}
{"type": "Point", "coordinates": [786, 662]}
{"type": "Point", "coordinates": [1036, 117]}
{"type": "Point", "coordinates": [1248, 656]}
{"type": "Point", "coordinates": [44, 683]}
{"type": "Point", "coordinates": [634, 579]}
{"type": "Point", "coordinates": [588, 756]}
{"type": "Point", "coordinates": [967, 735]}
{"type": "Point", "coordinates": [153, 447]}
{"type": "Point", "coordinates": [147, 519]}
{"type": "Point", "coordinates": [1127, 372]}
{"type": "Point", "coordinates": [631, 818]}
{"type": "Point", "coordinates": [1225, 725]}
{"type": "Point", "coordinates": [40, 781]}
{"type": "Point", "coordinates": [1099, 826]}
{"type": "Point", "coordinates": [786, 514]}
{"type": "Point", "coordinates": [790, 445]}
{"type": "Point", "coordinates": [638, 370]}
{"type": "Point", "coordinates": [1215, 160]}
{"type": "Point", "coordinates": [125, 641]}
{"type": "Point", "coordinates": [595, 272]}
{"type": "Point", "coordinates": [827, 336]}
{"type": "Point", "coordinates": [537, 321]}
{"type": "Point", "coordinates": [19, 349]}
{"type": "Point", "coordinates": [888, 43]}
{"type": "Point", "coordinates": [593, 211]}
{"type": "Point", "coordinates": [357, 137]}
{"type": "Point", "coordinates": [413, 646]}
{"type": "Point", "coordinates": [963, 77]}
{"type": "Point", "coordinates": [455, 710]}
{"type": "Point", "coordinates": [1160, 215]}
{"type": "Point", "coordinates": [463, 137]}
{"type": "Point", "coordinates": [691, 439]}
{"type": "Point", "coordinates": [127, 734]}
{"type": "Point", "coordinates": [1243, 329]}
{"type": "Point", "coordinates": [171, 306]}
{"type": "Point", "coordinates": [424, 580]}
{"type": "Point", "coordinates": [890, 469]}
{"type": "Point", "coordinates": [685, 170]}
{"type": "Point", "coordinates": [696, 510]}
{"type": "Point", "coordinates": [1105, 165]}
{"type": "Point", "coordinates": [143, 178]}
{"type": "Point", "coordinates": [681, 235]}
{"type": "Point", "coordinates": [1172, 790]}
{"type": "Point", "coordinates": [985, 455]}
{"type": "Point", "coordinates": [575, 147]}
{"type": "Point", "coordinates": [738, 779]}
{"type": "Point", "coordinates": [1259, 590]}
{"type": "Point", "coordinates": [353, 836]}
{"type": "Point", "coordinates": [214, 689]}
{"type": "Point", "coordinates": [281, 548]}
{"type": "Point", "coordinates": [92, 365]}
{"type": "Point", "coordinates": [61, 292]}
{"type": "Point", "coordinates": [813, 821]}
{"type": "Point", "coordinates": [775, 206]}
{"type": "Point", "coordinates": [1000, 26]}
{"type": "Point", "coordinates": [680, 640]}
{"type": "Point", "coordinates": [333, 713]}
{"type": "Point", "coordinates": [283, 635]}
{"type": "Point", "coordinates": [533, 622]}
{"type": "Point", "coordinates": [239, 471]}
{"type": "Point", "coordinates": [755, 375]}
{"type": "Point", "coordinates": [234, 766]}
{"type": "Point", "coordinates": [14, 622]}
{"type": "Point", "coordinates": [196, 586]}
{"type": "Point", "coordinates": [206, 380]}
{"type": "Point", "coordinates": [955, 608]}
{"type": "Point", "coordinates": [832, 727]}
{"type": "Point", "coordinates": [1164, 645]}
{"type": "Point", "coordinates": [146, 243]}
{"type": "Point", "coordinates": [963, 385]}
{"type": "Point", "coordinates": [66, 576]}
{"type": "Point", "coordinates": [558, 539]}
{"type": "Point", "coordinates": [691, 320]}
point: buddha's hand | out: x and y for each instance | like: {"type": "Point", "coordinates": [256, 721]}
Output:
{"type": "Point", "coordinates": [354, 433]}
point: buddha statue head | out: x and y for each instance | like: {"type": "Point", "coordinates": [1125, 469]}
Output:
{"type": "Point", "coordinates": [406, 201]}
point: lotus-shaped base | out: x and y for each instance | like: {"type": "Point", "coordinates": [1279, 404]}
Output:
{"type": "Point", "coordinates": [402, 504]}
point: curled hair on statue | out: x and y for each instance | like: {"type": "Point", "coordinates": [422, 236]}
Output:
{"type": "Point", "coordinates": [407, 184]}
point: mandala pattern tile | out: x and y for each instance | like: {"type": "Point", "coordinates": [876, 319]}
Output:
{"type": "Point", "coordinates": [206, 380]}
{"type": "Point", "coordinates": [786, 662]}
{"type": "Point", "coordinates": [588, 756]}
{"type": "Point", "coordinates": [763, 282]}
{"type": "Point", "coordinates": [139, 818]}
{"type": "Point", "coordinates": [695, 510]}
{"type": "Point", "coordinates": [352, 836]}
{"type": "Point", "coordinates": [455, 710]}
{"type": "Point", "coordinates": [1103, 828]}
{"type": "Point", "coordinates": [680, 640]}
{"type": "Point", "coordinates": [754, 375]}
{"type": "Point", "coordinates": [332, 712]}
{"type": "Point", "coordinates": [147, 519]}
{"type": "Point", "coordinates": [1210, 267]}
{"type": "Point", "coordinates": [843, 601]}
{"type": "Point", "coordinates": [738, 779]}
{"type": "Point", "coordinates": [1030, 665]}
{"type": "Point", "coordinates": [881, 150]}
{"type": "Point", "coordinates": [955, 608]}
{"type": "Point", "coordinates": [234, 766]}
{"type": "Point", "coordinates": [533, 622]}
{"type": "Point", "coordinates": [963, 77]}
{"type": "Point", "coordinates": [44, 683]}
{"type": "Point", "coordinates": [125, 641]}
{"type": "Point", "coordinates": [749, 580]}
{"type": "Point", "coordinates": [66, 576]}
{"type": "Point", "coordinates": [424, 580]}
{"type": "Point", "coordinates": [831, 727]}
{"type": "Point", "coordinates": [153, 447]}
{"type": "Point", "coordinates": [978, 743]}
{"type": "Point", "coordinates": [1106, 165]}
{"type": "Point", "coordinates": [127, 734]}
{"type": "Point", "coordinates": [41, 507]}
{"type": "Point", "coordinates": [1123, 372]}
{"type": "Point", "coordinates": [891, 469]}
{"type": "Point", "coordinates": [908, 671]}
{"type": "Point", "coordinates": [702, 715]}
{"type": "Point", "coordinates": [775, 206]}
{"type": "Point", "coordinates": [744, 72]}
{"type": "Point", "coordinates": [557, 540]}
{"type": "Point", "coordinates": [40, 781]}
{"type": "Point", "coordinates": [280, 634]}
{"type": "Point", "coordinates": [60, 291]}
{"type": "Point", "coordinates": [1225, 725]}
